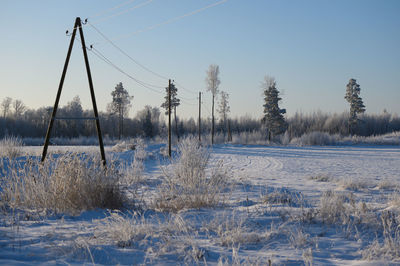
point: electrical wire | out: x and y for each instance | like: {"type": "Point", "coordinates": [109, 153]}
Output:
{"type": "Point", "coordinates": [109, 62]}
{"type": "Point", "coordinates": [110, 9]}
{"type": "Point", "coordinates": [182, 87]}
{"type": "Point", "coordinates": [123, 12]}
{"type": "Point", "coordinates": [135, 61]}
{"type": "Point", "coordinates": [169, 21]}
{"type": "Point", "coordinates": [126, 54]}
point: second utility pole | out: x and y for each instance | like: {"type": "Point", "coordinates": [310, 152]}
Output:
{"type": "Point", "coordinates": [169, 118]}
{"type": "Point", "coordinates": [199, 116]}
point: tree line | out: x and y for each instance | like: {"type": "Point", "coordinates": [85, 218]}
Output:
{"type": "Point", "coordinates": [18, 120]}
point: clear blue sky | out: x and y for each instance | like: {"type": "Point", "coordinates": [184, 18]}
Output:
{"type": "Point", "coordinates": [312, 48]}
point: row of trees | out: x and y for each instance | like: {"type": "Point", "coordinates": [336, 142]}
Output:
{"type": "Point", "coordinates": [274, 120]}
{"type": "Point", "coordinates": [18, 120]}
{"type": "Point", "coordinates": [149, 122]}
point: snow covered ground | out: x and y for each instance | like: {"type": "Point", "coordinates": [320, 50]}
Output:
{"type": "Point", "coordinates": [285, 206]}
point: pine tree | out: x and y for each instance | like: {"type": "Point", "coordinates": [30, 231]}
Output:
{"type": "Point", "coordinates": [120, 105]}
{"type": "Point", "coordinates": [273, 116]}
{"type": "Point", "coordinates": [175, 102]}
{"type": "Point", "coordinates": [356, 103]}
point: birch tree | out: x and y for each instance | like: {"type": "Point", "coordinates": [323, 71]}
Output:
{"type": "Point", "coordinates": [212, 81]}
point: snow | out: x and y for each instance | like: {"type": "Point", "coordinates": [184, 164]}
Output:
{"type": "Point", "coordinates": [254, 226]}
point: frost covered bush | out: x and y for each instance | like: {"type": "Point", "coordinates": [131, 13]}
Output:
{"type": "Point", "coordinates": [232, 232]}
{"type": "Point", "coordinates": [389, 246]}
{"type": "Point", "coordinates": [172, 236]}
{"type": "Point", "coordinates": [315, 138]}
{"type": "Point", "coordinates": [11, 147]}
{"type": "Point", "coordinates": [187, 181]}
{"type": "Point", "coordinates": [123, 146]}
{"type": "Point", "coordinates": [320, 178]}
{"type": "Point", "coordinates": [332, 208]}
{"type": "Point", "coordinates": [284, 196]}
{"type": "Point", "coordinates": [70, 183]}
{"type": "Point", "coordinates": [353, 184]}
{"type": "Point", "coordinates": [252, 137]}
{"type": "Point", "coordinates": [121, 229]}
{"type": "Point", "coordinates": [386, 139]}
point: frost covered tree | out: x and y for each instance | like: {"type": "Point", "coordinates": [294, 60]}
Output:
{"type": "Point", "coordinates": [223, 108]}
{"type": "Point", "coordinates": [5, 106]}
{"type": "Point", "coordinates": [273, 115]}
{"type": "Point", "coordinates": [356, 103]}
{"type": "Point", "coordinates": [175, 102]}
{"type": "Point", "coordinates": [74, 109]}
{"type": "Point", "coordinates": [120, 105]}
{"type": "Point", "coordinates": [212, 81]}
{"type": "Point", "coordinates": [19, 108]}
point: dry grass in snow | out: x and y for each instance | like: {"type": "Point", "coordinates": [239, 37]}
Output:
{"type": "Point", "coordinates": [187, 183]}
{"type": "Point", "coordinates": [11, 147]}
{"type": "Point", "coordinates": [70, 183]}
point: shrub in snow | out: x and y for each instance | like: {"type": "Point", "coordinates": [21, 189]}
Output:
{"type": "Point", "coordinates": [388, 247]}
{"type": "Point", "coordinates": [332, 208]}
{"type": "Point", "coordinates": [123, 146]}
{"type": "Point", "coordinates": [387, 184]}
{"type": "Point", "coordinates": [284, 196]}
{"type": "Point", "coordinates": [187, 182]}
{"type": "Point", "coordinates": [70, 183]}
{"type": "Point", "coordinates": [353, 184]}
{"type": "Point", "coordinates": [171, 236]}
{"type": "Point", "coordinates": [255, 137]}
{"type": "Point", "coordinates": [121, 229]}
{"type": "Point", "coordinates": [233, 232]}
{"type": "Point", "coordinates": [315, 138]}
{"type": "Point", "coordinates": [386, 139]}
{"type": "Point", "coordinates": [11, 147]}
{"type": "Point", "coordinates": [320, 178]}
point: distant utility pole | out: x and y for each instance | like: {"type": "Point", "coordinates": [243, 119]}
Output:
{"type": "Point", "coordinates": [199, 116]}
{"type": "Point", "coordinates": [169, 118]}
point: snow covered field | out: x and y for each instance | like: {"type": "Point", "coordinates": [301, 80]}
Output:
{"type": "Point", "coordinates": [283, 205]}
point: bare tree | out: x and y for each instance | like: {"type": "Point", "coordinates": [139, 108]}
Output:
{"type": "Point", "coordinates": [213, 82]}
{"type": "Point", "coordinates": [5, 106]}
{"type": "Point", "coordinates": [19, 108]}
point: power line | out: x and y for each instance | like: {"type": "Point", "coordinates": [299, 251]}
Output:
{"type": "Point", "coordinates": [105, 59]}
{"type": "Point", "coordinates": [182, 87]}
{"type": "Point", "coordinates": [123, 12]}
{"type": "Point", "coordinates": [135, 61]}
{"type": "Point", "coordinates": [125, 53]}
{"type": "Point", "coordinates": [187, 102]}
{"type": "Point", "coordinates": [112, 8]}
{"type": "Point", "coordinates": [169, 20]}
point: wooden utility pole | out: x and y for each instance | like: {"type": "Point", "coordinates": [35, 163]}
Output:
{"type": "Point", "coordinates": [199, 116]}
{"type": "Point", "coordinates": [77, 25]}
{"type": "Point", "coordinates": [169, 118]}
{"type": "Point", "coordinates": [96, 113]}
{"type": "Point", "coordinates": [212, 122]}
